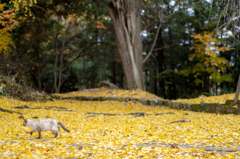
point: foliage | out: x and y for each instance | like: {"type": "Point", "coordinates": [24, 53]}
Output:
{"type": "Point", "coordinates": [8, 23]}
{"type": "Point", "coordinates": [35, 40]}
{"type": "Point", "coordinates": [23, 6]}
{"type": "Point", "coordinates": [225, 90]}
{"type": "Point", "coordinates": [206, 57]}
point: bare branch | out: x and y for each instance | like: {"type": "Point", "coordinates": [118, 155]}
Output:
{"type": "Point", "coordinates": [41, 8]}
{"type": "Point", "coordinates": [150, 52]}
{"type": "Point", "coordinates": [231, 16]}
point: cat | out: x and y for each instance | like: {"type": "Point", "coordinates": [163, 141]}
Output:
{"type": "Point", "coordinates": [44, 125]}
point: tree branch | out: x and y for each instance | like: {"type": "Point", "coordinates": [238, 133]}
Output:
{"type": "Point", "coordinates": [150, 52]}
{"type": "Point", "coordinates": [158, 49]}
{"type": "Point", "coordinates": [40, 8]}
{"type": "Point", "coordinates": [9, 111]}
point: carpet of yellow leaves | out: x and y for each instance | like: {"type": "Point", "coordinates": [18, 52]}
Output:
{"type": "Point", "coordinates": [221, 99]}
{"type": "Point", "coordinates": [121, 93]}
{"type": "Point", "coordinates": [117, 136]}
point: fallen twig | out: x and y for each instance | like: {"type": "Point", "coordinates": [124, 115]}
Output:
{"type": "Point", "coordinates": [9, 111]}
{"type": "Point", "coordinates": [136, 114]}
{"type": "Point", "coordinates": [179, 121]}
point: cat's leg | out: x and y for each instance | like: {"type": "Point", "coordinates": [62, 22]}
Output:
{"type": "Point", "coordinates": [32, 132]}
{"type": "Point", "coordinates": [39, 134]}
{"type": "Point", "coordinates": [55, 133]}
{"type": "Point", "coordinates": [58, 132]}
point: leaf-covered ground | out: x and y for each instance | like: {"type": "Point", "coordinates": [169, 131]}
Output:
{"type": "Point", "coordinates": [121, 136]}
{"type": "Point", "coordinates": [221, 99]}
{"type": "Point", "coordinates": [111, 93]}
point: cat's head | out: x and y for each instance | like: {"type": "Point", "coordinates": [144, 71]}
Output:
{"type": "Point", "coordinates": [25, 122]}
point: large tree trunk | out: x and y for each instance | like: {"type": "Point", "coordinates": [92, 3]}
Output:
{"type": "Point", "coordinates": [126, 20]}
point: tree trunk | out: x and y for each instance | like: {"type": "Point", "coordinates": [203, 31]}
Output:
{"type": "Point", "coordinates": [54, 71]}
{"type": "Point", "coordinates": [56, 59]}
{"type": "Point", "coordinates": [152, 78]}
{"type": "Point", "coordinates": [37, 51]}
{"type": "Point", "coordinates": [39, 65]}
{"type": "Point", "coordinates": [161, 65]}
{"type": "Point", "coordinates": [170, 36]}
{"type": "Point", "coordinates": [60, 67]}
{"type": "Point", "coordinates": [237, 92]}
{"type": "Point", "coordinates": [126, 20]}
{"type": "Point", "coordinates": [113, 70]}
{"type": "Point", "coordinates": [98, 56]}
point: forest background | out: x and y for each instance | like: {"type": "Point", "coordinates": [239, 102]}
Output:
{"type": "Point", "coordinates": [170, 48]}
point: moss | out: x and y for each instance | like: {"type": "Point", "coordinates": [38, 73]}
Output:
{"type": "Point", "coordinates": [210, 107]}
{"type": "Point", "coordinates": [196, 107]}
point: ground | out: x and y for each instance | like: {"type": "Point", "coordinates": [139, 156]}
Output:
{"type": "Point", "coordinates": [199, 135]}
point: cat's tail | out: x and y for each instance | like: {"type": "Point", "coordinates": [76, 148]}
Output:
{"type": "Point", "coordinates": [63, 127]}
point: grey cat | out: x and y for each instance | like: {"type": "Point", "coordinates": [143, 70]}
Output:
{"type": "Point", "coordinates": [44, 125]}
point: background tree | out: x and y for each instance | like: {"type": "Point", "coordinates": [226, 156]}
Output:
{"type": "Point", "coordinates": [206, 56]}
{"type": "Point", "coordinates": [126, 20]}
{"type": "Point", "coordinates": [229, 20]}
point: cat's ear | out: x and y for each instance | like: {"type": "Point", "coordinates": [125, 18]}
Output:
{"type": "Point", "coordinates": [21, 117]}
